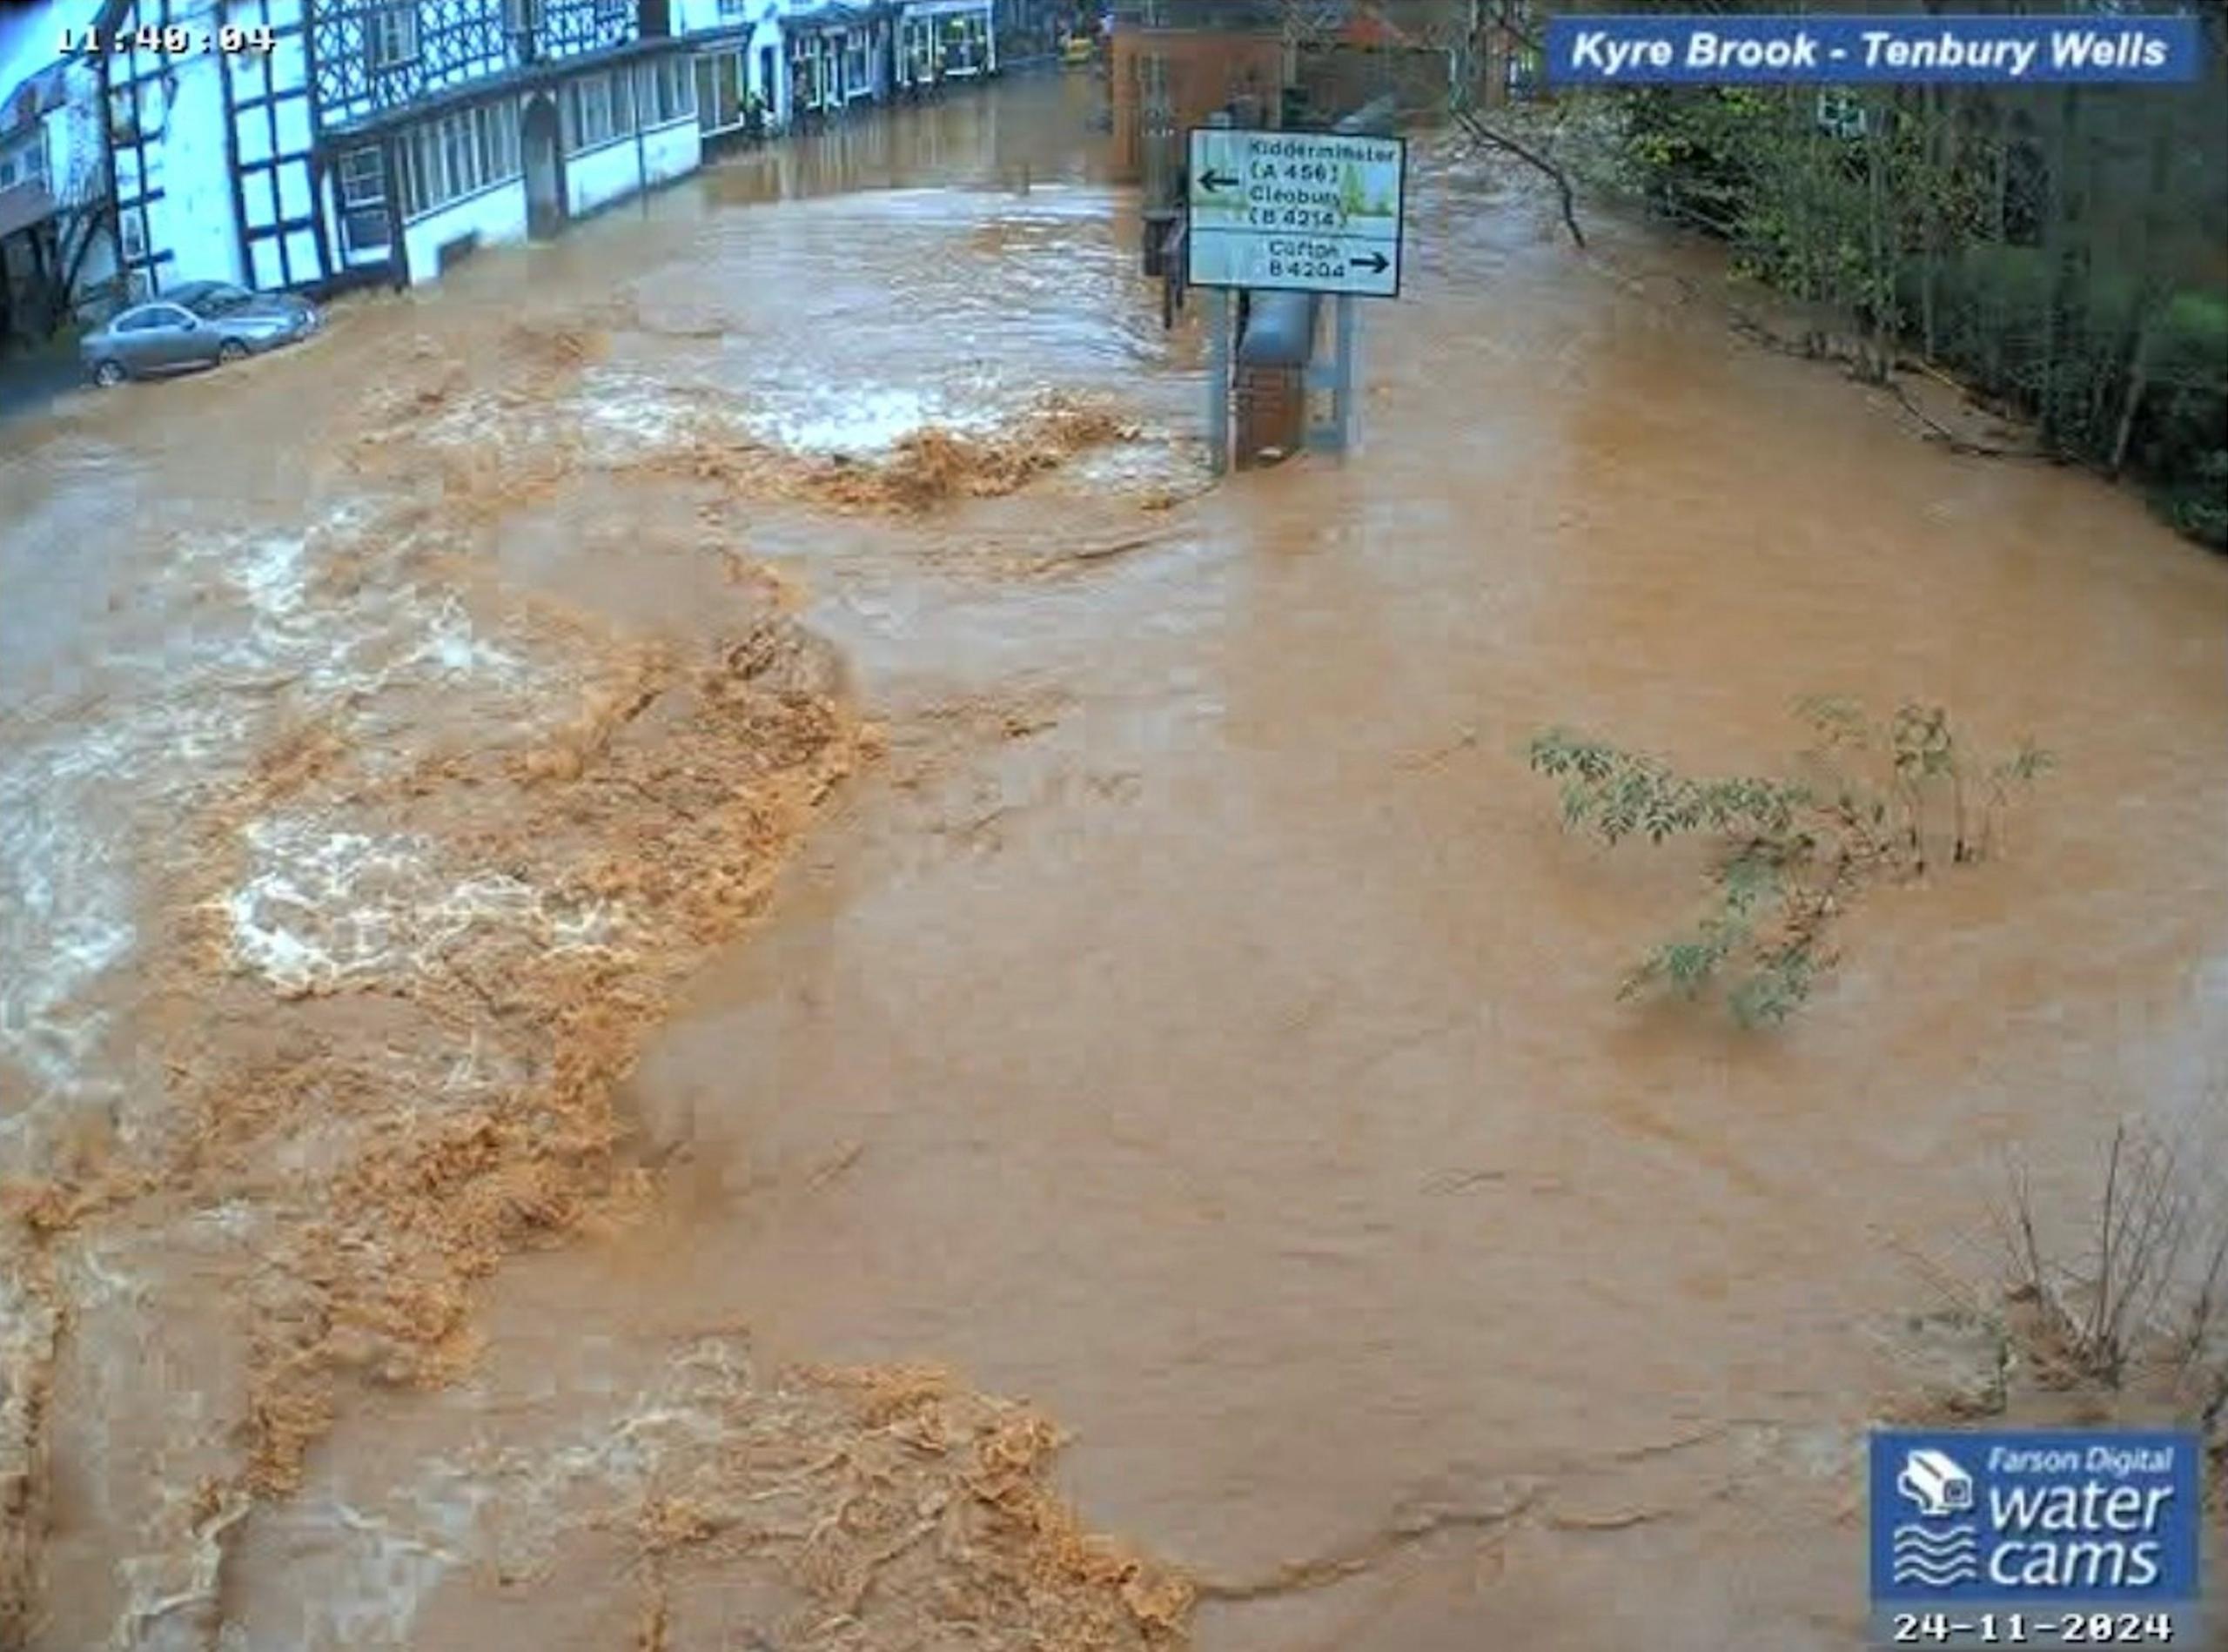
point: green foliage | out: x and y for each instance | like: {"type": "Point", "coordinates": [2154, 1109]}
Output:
{"type": "Point", "coordinates": [1616, 793]}
{"type": "Point", "coordinates": [1875, 799]}
{"type": "Point", "coordinates": [2057, 248]}
{"type": "Point", "coordinates": [2193, 338]}
{"type": "Point", "coordinates": [2197, 504]}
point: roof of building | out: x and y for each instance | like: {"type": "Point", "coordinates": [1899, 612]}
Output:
{"type": "Point", "coordinates": [834, 15]}
{"type": "Point", "coordinates": [35, 96]}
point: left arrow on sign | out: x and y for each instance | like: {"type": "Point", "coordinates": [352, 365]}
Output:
{"type": "Point", "coordinates": [1211, 179]}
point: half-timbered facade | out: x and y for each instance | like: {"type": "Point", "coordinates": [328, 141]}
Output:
{"type": "Point", "coordinates": [311, 143]}
{"type": "Point", "coordinates": [58, 256]}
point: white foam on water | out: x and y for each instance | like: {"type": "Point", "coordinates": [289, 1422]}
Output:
{"type": "Point", "coordinates": [622, 416]}
{"type": "Point", "coordinates": [236, 616]}
{"type": "Point", "coordinates": [365, 1558]}
{"type": "Point", "coordinates": [857, 419]}
{"type": "Point", "coordinates": [270, 573]}
{"type": "Point", "coordinates": [455, 648]}
{"type": "Point", "coordinates": [322, 908]}
{"type": "Point", "coordinates": [68, 899]}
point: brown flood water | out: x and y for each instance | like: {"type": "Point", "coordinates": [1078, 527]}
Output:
{"type": "Point", "coordinates": [1191, 1018]}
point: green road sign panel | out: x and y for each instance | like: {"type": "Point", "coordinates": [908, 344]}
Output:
{"type": "Point", "coordinates": [1299, 212]}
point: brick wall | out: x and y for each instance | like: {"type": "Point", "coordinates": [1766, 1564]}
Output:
{"type": "Point", "coordinates": [1269, 412]}
{"type": "Point", "coordinates": [1206, 71]}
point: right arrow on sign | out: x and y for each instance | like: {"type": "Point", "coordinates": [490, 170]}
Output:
{"type": "Point", "coordinates": [1376, 264]}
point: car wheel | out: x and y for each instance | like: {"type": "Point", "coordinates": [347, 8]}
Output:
{"type": "Point", "coordinates": [231, 350]}
{"type": "Point", "coordinates": [109, 374]}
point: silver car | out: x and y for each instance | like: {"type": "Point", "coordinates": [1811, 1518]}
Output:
{"type": "Point", "coordinates": [194, 326]}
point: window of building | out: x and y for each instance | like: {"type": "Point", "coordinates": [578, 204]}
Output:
{"type": "Point", "coordinates": [1840, 113]}
{"type": "Point", "coordinates": [732, 94]}
{"type": "Point", "coordinates": [593, 114]}
{"type": "Point", "coordinates": [966, 43]}
{"type": "Point", "coordinates": [917, 48]}
{"type": "Point", "coordinates": [456, 155]}
{"type": "Point", "coordinates": [7, 173]}
{"type": "Point", "coordinates": [458, 164]}
{"type": "Point", "coordinates": [707, 95]}
{"type": "Point", "coordinates": [391, 35]}
{"type": "Point", "coordinates": [854, 64]}
{"type": "Point", "coordinates": [496, 128]}
{"type": "Point", "coordinates": [363, 177]}
{"type": "Point", "coordinates": [667, 93]}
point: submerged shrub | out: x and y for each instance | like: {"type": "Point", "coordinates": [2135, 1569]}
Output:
{"type": "Point", "coordinates": [1871, 800]}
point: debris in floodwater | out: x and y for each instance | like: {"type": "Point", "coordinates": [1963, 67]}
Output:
{"type": "Point", "coordinates": [919, 471]}
{"type": "Point", "coordinates": [436, 856]}
{"type": "Point", "coordinates": [897, 1505]}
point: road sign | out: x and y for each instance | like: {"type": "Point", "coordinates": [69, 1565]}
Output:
{"type": "Point", "coordinates": [1299, 212]}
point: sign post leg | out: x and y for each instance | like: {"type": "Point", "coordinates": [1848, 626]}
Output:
{"type": "Point", "coordinates": [1219, 374]}
{"type": "Point", "coordinates": [1342, 390]}
{"type": "Point", "coordinates": [1334, 379]}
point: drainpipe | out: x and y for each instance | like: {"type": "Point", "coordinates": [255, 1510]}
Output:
{"type": "Point", "coordinates": [397, 247]}
{"type": "Point", "coordinates": [641, 143]}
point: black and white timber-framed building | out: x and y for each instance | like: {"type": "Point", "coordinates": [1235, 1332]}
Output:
{"type": "Point", "coordinates": [317, 144]}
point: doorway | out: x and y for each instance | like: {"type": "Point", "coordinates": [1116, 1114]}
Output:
{"type": "Point", "coordinates": [545, 169]}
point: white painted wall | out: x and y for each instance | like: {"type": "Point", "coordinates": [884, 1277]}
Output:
{"type": "Point", "coordinates": [763, 20]}
{"type": "Point", "coordinates": [673, 151]}
{"type": "Point", "coordinates": [194, 217]}
{"type": "Point", "coordinates": [776, 95]}
{"type": "Point", "coordinates": [497, 215]}
{"type": "Point", "coordinates": [98, 270]}
{"type": "Point", "coordinates": [598, 177]}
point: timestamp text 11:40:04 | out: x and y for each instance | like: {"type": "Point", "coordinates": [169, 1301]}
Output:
{"type": "Point", "coordinates": [175, 39]}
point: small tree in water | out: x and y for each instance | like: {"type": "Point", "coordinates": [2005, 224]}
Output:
{"type": "Point", "coordinates": [1871, 800]}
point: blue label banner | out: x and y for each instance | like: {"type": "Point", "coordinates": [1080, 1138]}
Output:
{"type": "Point", "coordinates": [1980, 1533]}
{"type": "Point", "coordinates": [1629, 50]}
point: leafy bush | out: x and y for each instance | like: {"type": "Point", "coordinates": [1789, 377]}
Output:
{"type": "Point", "coordinates": [1872, 801]}
{"type": "Point", "coordinates": [2057, 253]}
{"type": "Point", "coordinates": [2197, 504]}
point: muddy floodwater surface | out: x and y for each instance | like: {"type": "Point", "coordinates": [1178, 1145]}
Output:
{"type": "Point", "coordinates": [698, 954]}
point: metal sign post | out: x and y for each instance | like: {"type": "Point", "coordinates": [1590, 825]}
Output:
{"type": "Point", "coordinates": [1222, 364]}
{"type": "Point", "coordinates": [1300, 213]}
{"type": "Point", "coordinates": [1337, 434]}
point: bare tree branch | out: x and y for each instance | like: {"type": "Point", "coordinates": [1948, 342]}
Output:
{"type": "Point", "coordinates": [1484, 136]}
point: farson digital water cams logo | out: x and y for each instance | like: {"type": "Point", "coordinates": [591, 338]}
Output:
{"type": "Point", "coordinates": [2035, 1539]}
